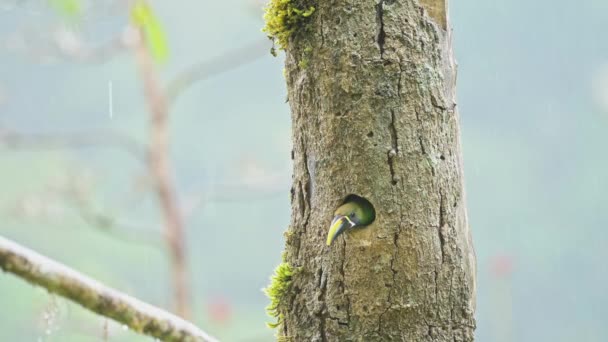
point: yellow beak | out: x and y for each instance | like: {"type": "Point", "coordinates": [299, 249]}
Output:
{"type": "Point", "coordinates": [338, 225]}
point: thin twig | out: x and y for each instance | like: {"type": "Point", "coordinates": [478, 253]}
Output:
{"type": "Point", "coordinates": [68, 283]}
{"type": "Point", "coordinates": [105, 332]}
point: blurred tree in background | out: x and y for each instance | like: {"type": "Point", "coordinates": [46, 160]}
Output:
{"type": "Point", "coordinates": [144, 37]}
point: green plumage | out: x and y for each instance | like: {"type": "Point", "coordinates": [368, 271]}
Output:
{"type": "Point", "coordinates": [355, 212]}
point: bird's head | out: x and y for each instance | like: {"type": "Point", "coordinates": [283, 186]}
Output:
{"type": "Point", "coordinates": [355, 212]}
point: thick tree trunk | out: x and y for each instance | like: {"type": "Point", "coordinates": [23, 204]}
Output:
{"type": "Point", "coordinates": [372, 93]}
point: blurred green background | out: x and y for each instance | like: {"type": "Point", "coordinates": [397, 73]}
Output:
{"type": "Point", "coordinates": [533, 100]}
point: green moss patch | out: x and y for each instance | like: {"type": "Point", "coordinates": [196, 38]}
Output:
{"type": "Point", "coordinates": [280, 283]}
{"type": "Point", "coordinates": [283, 18]}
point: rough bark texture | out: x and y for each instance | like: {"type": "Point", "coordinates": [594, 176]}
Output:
{"type": "Point", "coordinates": [372, 93]}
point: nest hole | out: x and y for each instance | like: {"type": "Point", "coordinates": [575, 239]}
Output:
{"type": "Point", "coordinates": [364, 202]}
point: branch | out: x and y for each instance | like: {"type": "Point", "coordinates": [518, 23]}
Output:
{"type": "Point", "coordinates": [66, 282]}
{"type": "Point", "coordinates": [159, 165]}
{"type": "Point", "coordinates": [14, 139]}
{"type": "Point", "coordinates": [108, 224]}
{"type": "Point", "coordinates": [226, 62]}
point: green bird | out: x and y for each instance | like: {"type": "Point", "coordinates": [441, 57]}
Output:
{"type": "Point", "coordinates": [355, 212]}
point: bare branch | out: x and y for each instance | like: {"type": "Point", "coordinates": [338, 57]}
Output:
{"type": "Point", "coordinates": [66, 282]}
{"type": "Point", "coordinates": [226, 62]}
{"type": "Point", "coordinates": [108, 224]}
{"type": "Point", "coordinates": [13, 139]}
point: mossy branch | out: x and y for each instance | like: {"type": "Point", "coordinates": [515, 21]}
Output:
{"type": "Point", "coordinates": [57, 278]}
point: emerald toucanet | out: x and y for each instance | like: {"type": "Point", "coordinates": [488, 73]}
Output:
{"type": "Point", "coordinates": [355, 212]}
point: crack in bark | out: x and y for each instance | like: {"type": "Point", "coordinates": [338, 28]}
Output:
{"type": "Point", "coordinates": [394, 138]}
{"type": "Point", "coordinates": [437, 299]}
{"type": "Point", "coordinates": [348, 305]}
{"type": "Point", "coordinates": [308, 177]}
{"type": "Point", "coordinates": [441, 209]}
{"type": "Point", "coordinates": [451, 302]}
{"type": "Point", "coordinates": [399, 78]}
{"type": "Point", "coordinates": [421, 144]}
{"type": "Point", "coordinates": [440, 231]}
{"type": "Point", "coordinates": [394, 148]}
{"type": "Point", "coordinates": [305, 190]}
{"type": "Point", "coordinates": [395, 238]}
{"type": "Point", "coordinates": [381, 35]}
{"type": "Point", "coordinates": [320, 275]}
{"type": "Point", "coordinates": [323, 313]}
{"type": "Point", "coordinates": [307, 206]}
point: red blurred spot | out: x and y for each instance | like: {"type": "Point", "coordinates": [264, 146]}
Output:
{"type": "Point", "coordinates": [501, 266]}
{"type": "Point", "coordinates": [219, 309]}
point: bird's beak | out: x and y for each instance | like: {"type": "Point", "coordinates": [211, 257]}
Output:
{"type": "Point", "coordinates": [338, 225]}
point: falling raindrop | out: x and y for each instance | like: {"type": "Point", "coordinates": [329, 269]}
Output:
{"type": "Point", "coordinates": [599, 86]}
{"type": "Point", "coordinates": [49, 319]}
{"type": "Point", "coordinates": [50, 316]}
{"type": "Point", "coordinates": [105, 330]}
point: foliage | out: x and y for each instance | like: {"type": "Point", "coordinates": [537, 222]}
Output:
{"type": "Point", "coordinates": [143, 16]}
{"type": "Point", "coordinates": [67, 8]}
{"type": "Point", "coordinates": [283, 18]}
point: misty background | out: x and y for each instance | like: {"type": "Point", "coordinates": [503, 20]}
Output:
{"type": "Point", "coordinates": [533, 101]}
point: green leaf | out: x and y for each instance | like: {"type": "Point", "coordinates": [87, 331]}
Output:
{"type": "Point", "coordinates": [68, 8]}
{"type": "Point", "coordinates": [143, 16]}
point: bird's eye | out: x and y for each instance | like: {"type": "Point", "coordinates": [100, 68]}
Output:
{"type": "Point", "coordinates": [352, 215]}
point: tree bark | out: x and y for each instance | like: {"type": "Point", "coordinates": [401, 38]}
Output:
{"type": "Point", "coordinates": [372, 93]}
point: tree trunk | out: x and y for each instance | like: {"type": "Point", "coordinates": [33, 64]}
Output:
{"type": "Point", "coordinates": [372, 93]}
